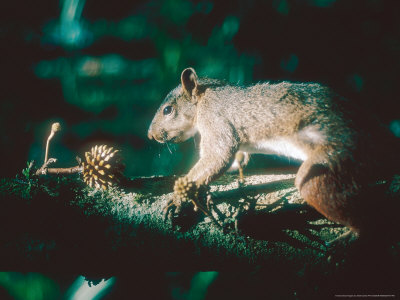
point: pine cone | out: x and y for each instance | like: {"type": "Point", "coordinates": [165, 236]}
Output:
{"type": "Point", "coordinates": [185, 190]}
{"type": "Point", "coordinates": [103, 167]}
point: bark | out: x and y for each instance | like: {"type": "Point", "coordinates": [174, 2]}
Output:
{"type": "Point", "coordinates": [56, 224]}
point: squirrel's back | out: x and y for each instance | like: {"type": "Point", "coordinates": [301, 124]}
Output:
{"type": "Point", "coordinates": [277, 109]}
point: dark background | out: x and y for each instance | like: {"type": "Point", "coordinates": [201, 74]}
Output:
{"type": "Point", "coordinates": [101, 68]}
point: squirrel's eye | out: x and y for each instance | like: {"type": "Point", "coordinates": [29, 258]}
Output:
{"type": "Point", "coordinates": [168, 110]}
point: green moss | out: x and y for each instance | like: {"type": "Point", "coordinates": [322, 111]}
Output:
{"type": "Point", "coordinates": [58, 221]}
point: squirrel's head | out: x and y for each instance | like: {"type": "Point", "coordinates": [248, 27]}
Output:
{"type": "Point", "coordinates": [175, 120]}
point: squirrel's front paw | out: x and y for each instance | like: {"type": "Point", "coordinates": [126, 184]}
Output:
{"type": "Point", "coordinates": [179, 210]}
{"type": "Point", "coordinates": [188, 200]}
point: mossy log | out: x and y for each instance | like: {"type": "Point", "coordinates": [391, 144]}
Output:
{"type": "Point", "coordinates": [57, 224]}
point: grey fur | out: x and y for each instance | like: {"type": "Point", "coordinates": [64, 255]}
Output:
{"type": "Point", "coordinates": [306, 121]}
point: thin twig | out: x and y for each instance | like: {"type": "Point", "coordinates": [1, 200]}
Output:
{"type": "Point", "coordinates": [72, 170]}
{"type": "Point", "coordinates": [54, 128]}
{"type": "Point", "coordinates": [43, 169]}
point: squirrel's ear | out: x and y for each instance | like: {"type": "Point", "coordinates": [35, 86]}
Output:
{"type": "Point", "coordinates": [189, 80]}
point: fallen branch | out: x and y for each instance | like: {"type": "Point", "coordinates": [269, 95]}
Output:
{"type": "Point", "coordinates": [74, 228]}
{"type": "Point", "coordinates": [60, 171]}
{"type": "Point", "coordinates": [44, 170]}
{"type": "Point", "coordinates": [56, 224]}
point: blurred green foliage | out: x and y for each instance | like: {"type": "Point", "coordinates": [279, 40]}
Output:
{"type": "Point", "coordinates": [102, 69]}
{"type": "Point", "coordinates": [29, 286]}
{"type": "Point", "coordinates": [130, 89]}
{"type": "Point", "coordinates": [199, 284]}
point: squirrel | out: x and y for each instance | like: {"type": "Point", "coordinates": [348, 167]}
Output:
{"type": "Point", "coordinates": [343, 150]}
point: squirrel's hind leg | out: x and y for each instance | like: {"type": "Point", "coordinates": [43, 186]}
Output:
{"type": "Point", "coordinates": [334, 196]}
